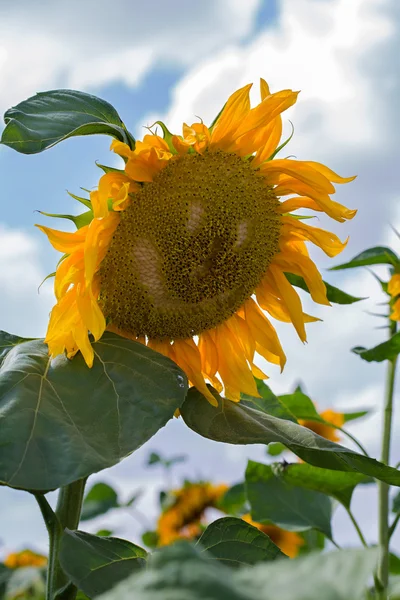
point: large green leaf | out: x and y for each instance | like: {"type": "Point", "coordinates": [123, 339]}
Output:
{"type": "Point", "coordinates": [61, 421]}
{"type": "Point", "coordinates": [276, 500]}
{"type": "Point", "coordinates": [181, 572]}
{"type": "Point", "coordinates": [95, 564]}
{"type": "Point", "coordinates": [50, 117]}
{"type": "Point", "coordinates": [100, 499]}
{"type": "Point", "coordinates": [338, 484]}
{"type": "Point", "coordinates": [386, 351]}
{"type": "Point", "coordinates": [236, 543]}
{"type": "Point", "coordinates": [333, 293]}
{"type": "Point", "coordinates": [234, 423]}
{"type": "Point", "coordinates": [378, 255]}
{"type": "Point", "coordinates": [301, 406]}
{"type": "Point", "coordinates": [234, 501]}
{"type": "Point", "coordinates": [342, 575]}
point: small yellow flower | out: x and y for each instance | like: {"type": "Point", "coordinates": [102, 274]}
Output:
{"type": "Point", "coordinates": [288, 541]}
{"type": "Point", "coordinates": [25, 558]}
{"type": "Point", "coordinates": [394, 291]}
{"type": "Point", "coordinates": [184, 519]}
{"type": "Point", "coordinates": [190, 243]}
{"type": "Point", "coordinates": [325, 431]}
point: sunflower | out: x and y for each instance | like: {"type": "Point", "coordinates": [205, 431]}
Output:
{"type": "Point", "coordinates": [288, 541]}
{"type": "Point", "coordinates": [188, 246]}
{"type": "Point", "coordinates": [394, 291]}
{"type": "Point", "coordinates": [184, 518]}
{"type": "Point", "coordinates": [324, 429]}
{"type": "Point", "coordinates": [25, 558]}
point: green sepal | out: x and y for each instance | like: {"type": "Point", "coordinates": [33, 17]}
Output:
{"type": "Point", "coordinates": [107, 169]}
{"type": "Point", "coordinates": [378, 255]}
{"type": "Point", "coordinates": [279, 148]}
{"type": "Point", "coordinates": [79, 220]}
{"type": "Point", "coordinates": [167, 135]}
{"type": "Point", "coordinates": [333, 293]}
{"type": "Point", "coordinates": [83, 201]}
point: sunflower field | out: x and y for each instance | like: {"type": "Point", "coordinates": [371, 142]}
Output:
{"type": "Point", "coordinates": [192, 247]}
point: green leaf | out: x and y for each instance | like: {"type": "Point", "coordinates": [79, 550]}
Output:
{"type": "Point", "coordinates": [275, 449]}
{"type": "Point", "coordinates": [154, 459]}
{"type": "Point", "coordinates": [100, 499]}
{"type": "Point", "coordinates": [5, 574]}
{"type": "Point", "coordinates": [133, 498]}
{"type": "Point", "coordinates": [61, 421]}
{"type": "Point", "coordinates": [313, 540]}
{"type": "Point", "coordinates": [301, 406]}
{"type": "Point", "coordinates": [95, 564]}
{"type": "Point", "coordinates": [104, 533]}
{"type": "Point", "coordinates": [352, 416]}
{"type": "Point", "coordinates": [27, 582]}
{"type": "Point", "coordinates": [107, 169]}
{"type": "Point", "coordinates": [342, 575]}
{"type": "Point", "coordinates": [46, 119]}
{"type": "Point", "coordinates": [234, 501]}
{"type": "Point", "coordinates": [275, 500]}
{"type": "Point", "coordinates": [378, 255]}
{"type": "Point", "coordinates": [181, 572]}
{"type": "Point", "coordinates": [340, 485]}
{"type": "Point", "coordinates": [333, 293]}
{"type": "Point", "coordinates": [268, 402]}
{"type": "Point", "coordinates": [83, 201]}
{"type": "Point", "coordinates": [79, 220]}
{"type": "Point", "coordinates": [236, 543]}
{"type": "Point", "coordinates": [394, 564]}
{"type": "Point", "coordinates": [234, 423]}
{"type": "Point", "coordinates": [396, 503]}
{"type": "Point", "coordinates": [386, 351]}
{"type": "Point", "coordinates": [150, 539]}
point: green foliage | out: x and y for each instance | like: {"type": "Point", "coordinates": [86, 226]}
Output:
{"type": "Point", "coordinates": [301, 406]}
{"type": "Point", "coordinates": [156, 459]}
{"type": "Point", "coordinates": [48, 118]}
{"type": "Point", "coordinates": [236, 543]}
{"type": "Point", "coordinates": [339, 485]}
{"type": "Point", "coordinates": [61, 421]}
{"type": "Point", "coordinates": [386, 351]}
{"type": "Point", "coordinates": [396, 503]}
{"type": "Point", "coordinates": [378, 255]}
{"type": "Point", "coordinates": [352, 416]}
{"type": "Point", "coordinates": [273, 499]}
{"type": "Point", "coordinates": [95, 564]}
{"type": "Point", "coordinates": [275, 449]}
{"type": "Point", "coordinates": [150, 539]}
{"type": "Point", "coordinates": [268, 403]}
{"type": "Point", "coordinates": [333, 293]}
{"type": "Point", "coordinates": [234, 501]}
{"type": "Point", "coordinates": [234, 423]}
{"type": "Point", "coordinates": [27, 582]}
{"type": "Point", "coordinates": [100, 499]}
{"type": "Point", "coordinates": [183, 572]}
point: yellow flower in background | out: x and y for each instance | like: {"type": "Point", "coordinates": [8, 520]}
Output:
{"type": "Point", "coordinates": [288, 541]}
{"type": "Point", "coordinates": [394, 291]}
{"type": "Point", "coordinates": [325, 431]}
{"type": "Point", "coordinates": [183, 519]}
{"type": "Point", "coordinates": [25, 558]}
{"type": "Point", "coordinates": [190, 243]}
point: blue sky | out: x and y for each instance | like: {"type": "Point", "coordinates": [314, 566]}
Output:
{"type": "Point", "coordinates": [173, 62]}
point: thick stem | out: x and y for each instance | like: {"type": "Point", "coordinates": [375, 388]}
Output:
{"type": "Point", "coordinates": [383, 488]}
{"type": "Point", "coordinates": [66, 516]}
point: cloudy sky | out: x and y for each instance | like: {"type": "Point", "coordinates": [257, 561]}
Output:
{"type": "Point", "coordinates": [173, 61]}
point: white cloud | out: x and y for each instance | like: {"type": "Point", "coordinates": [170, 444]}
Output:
{"type": "Point", "coordinates": [90, 44]}
{"type": "Point", "coordinates": [23, 311]}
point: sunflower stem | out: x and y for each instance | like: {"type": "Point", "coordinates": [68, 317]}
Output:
{"type": "Point", "coordinates": [66, 516]}
{"type": "Point", "coordinates": [383, 488]}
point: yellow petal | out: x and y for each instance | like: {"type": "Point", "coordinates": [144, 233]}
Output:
{"type": "Point", "coordinates": [293, 262]}
{"type": "Point", "coordinates": [298, 170]}
{"type": "Point", "coordinates": [264, 89]}
{"type": "Point", "coordinates": [263, 332]}
{"type": "Point", "coordinates": [237, 106]}
{"type": "Point", "coordinates": [272, 106]}
{"type": "Point", "coordinates": [64, 241]}
{"type": "Point", "coordinates": [394, 285]}
{"type": "Point", "coordinates": [187, 356]}
{"type": "Point", "coordinates": [329, 174]}
{"type": "Point", "coordinates": [327, 241]}
{"type": "Point", "coordinates": [291, 299]}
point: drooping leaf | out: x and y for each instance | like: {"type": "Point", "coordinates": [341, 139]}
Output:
{"type": "Point", "coordinates": [378, 255]}
{"type": "Point", "coordinates": [96, 564]}
{"type": "Point", "coordinates": [100, 499]}
{"type": "Point", "coordinates": [236, 543]}
{"type": "Point", "coordinates": [50, 117]}
{"type": "Point", "coordinates": [352, 416]}
{"type": "Point", "coordinates": [333, 293]}
{"type": "Point", "coordinates": [276, 500]}
{"type": "Point", "coordinates": [234, 423]}
{"type": "Point", "coordinates": [61, 421]}
{"type": "Point", "coordinates": [386, 351]}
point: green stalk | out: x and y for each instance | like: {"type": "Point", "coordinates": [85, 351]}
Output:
{"type": "Point", "coordinates": [66, 516]}
{"type": "Point", "coordinates": [383, 488]}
